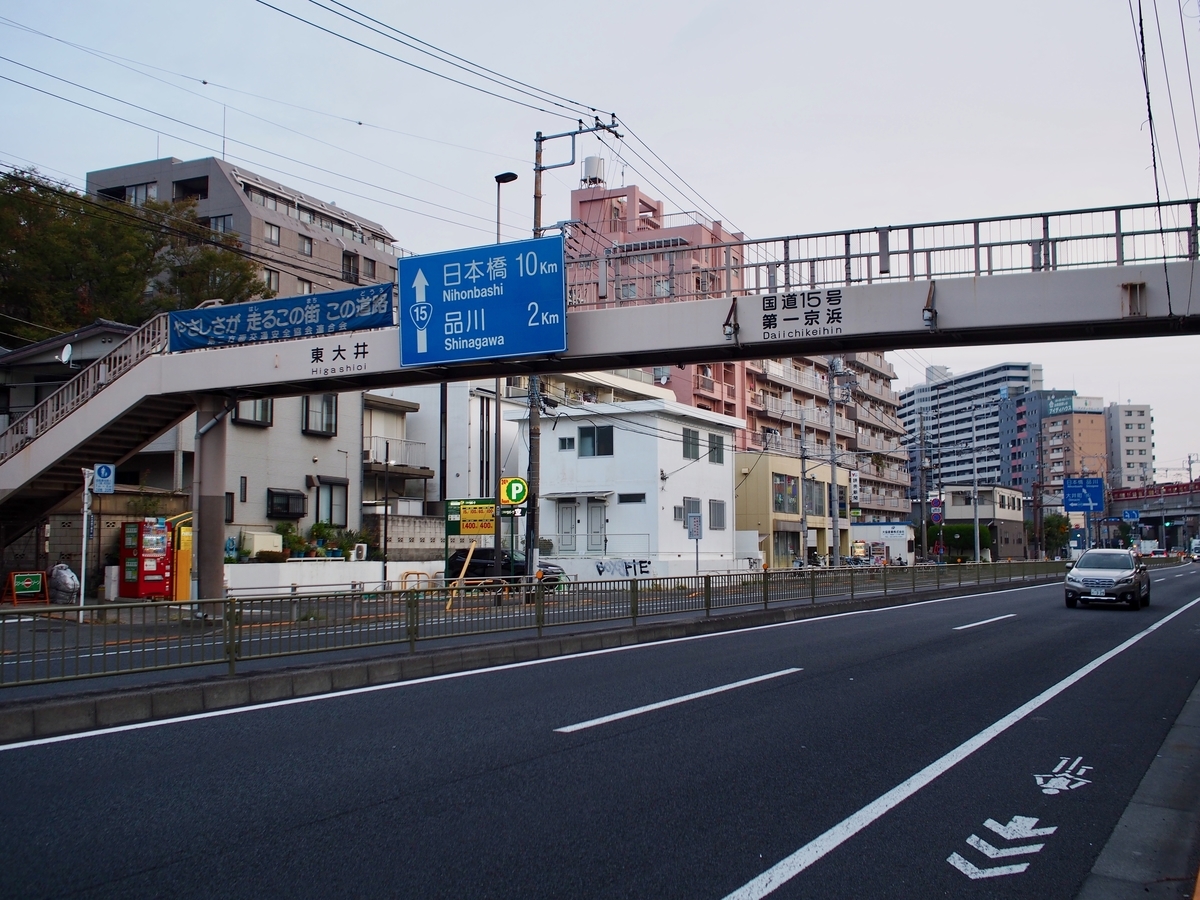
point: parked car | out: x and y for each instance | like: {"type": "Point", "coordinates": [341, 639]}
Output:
{"type": "Point", "coordinates": [512, 565]}
{"type": "Point", "coordinates": [1108, 576]}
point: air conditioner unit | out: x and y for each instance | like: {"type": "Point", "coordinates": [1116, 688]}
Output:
{"type": "Point", "coordinates": [360, 552]}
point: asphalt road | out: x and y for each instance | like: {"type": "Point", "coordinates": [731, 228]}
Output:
{"type": "Point", "coordinates": [863, 753]}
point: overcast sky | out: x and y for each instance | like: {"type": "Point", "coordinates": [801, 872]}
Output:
{"type": "Point", "coordinates": [776, 117]}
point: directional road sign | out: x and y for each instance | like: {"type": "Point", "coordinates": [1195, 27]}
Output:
{"type": "Point", "coordinates": [513, 490]}
{"type": "Point", "coordinates": [1083, 494]}
{"type": "Point", "coordinates": [493, 302]}
{"type": "Point", "coordinates": [104, 479]}
{"type": "Point", "coordinates": [1131, 515]}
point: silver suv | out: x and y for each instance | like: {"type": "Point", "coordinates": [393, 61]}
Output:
{"type": "Point", "coordinates": [1108, 576]}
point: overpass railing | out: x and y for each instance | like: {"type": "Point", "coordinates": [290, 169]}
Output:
{"type": "Point", "coordinates": [149, 339]}
{"type": "Point", "coordinates": [603, 273]}
{"type": "Point", "coordinates": [42, 644]}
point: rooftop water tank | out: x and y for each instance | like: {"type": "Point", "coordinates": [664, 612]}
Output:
{"type": "Point", "coordinates": [593, 171]}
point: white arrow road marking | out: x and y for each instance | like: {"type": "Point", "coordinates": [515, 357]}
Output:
{"type": "Point", "coordinates": [604, 720]}
{"type": "Point", "coordinates": [996, 853]}
{"type": "Point", "coordinates": [973, 871]}
{"type": "Point", "coordinates": [985, 622]}
{"type": "Point", "coordinates": [1018, 828]}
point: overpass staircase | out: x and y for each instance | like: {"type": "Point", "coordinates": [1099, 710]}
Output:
{"type": "Point", "coordinates": [75, 428]}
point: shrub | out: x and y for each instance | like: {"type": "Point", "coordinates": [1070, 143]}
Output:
{"type": "Point", "coordinates": [271, 556]}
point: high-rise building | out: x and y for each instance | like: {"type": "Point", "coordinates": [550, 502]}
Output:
{"type": "Point", "coordinates": [1073, 444]}
{"type": "Point", "coordinates": [952, 422]}
{"type": "Point", "coordinates": [1129, 429]}
{"type": "Point", "coordinates": [1021, 435]}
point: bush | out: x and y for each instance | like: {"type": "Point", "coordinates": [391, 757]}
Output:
{"type": "Point", "coordinates": [271, 556]}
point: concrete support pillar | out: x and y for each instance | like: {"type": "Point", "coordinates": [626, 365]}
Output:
{"type": "Point", "coordinates": [209, 497]}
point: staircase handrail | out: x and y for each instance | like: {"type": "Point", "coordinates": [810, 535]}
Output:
{"type": "Point", "coordinates": [150, 339]}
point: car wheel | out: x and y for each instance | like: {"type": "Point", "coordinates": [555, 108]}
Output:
{"type": "Point", "coordinates": [1146, 599]}
{"type": "Point", "coordinates": [1071, 603]}
{"type": "Point", "coordinates": [1135, 602]}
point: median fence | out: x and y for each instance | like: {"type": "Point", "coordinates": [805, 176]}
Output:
{"type": "Point", "coordinates": [40, 644]}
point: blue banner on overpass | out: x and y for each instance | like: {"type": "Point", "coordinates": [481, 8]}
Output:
{"type": "Point", "coordinates": [271, 320]}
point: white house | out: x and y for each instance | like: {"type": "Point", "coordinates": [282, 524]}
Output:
{"type": "Point", "coordinates": [618, 483]}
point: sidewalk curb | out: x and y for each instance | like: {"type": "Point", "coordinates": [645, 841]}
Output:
{"type": "Point", "coordinates": [1153, 850]}
{"type": "Point", "coordinates": [22, 720]}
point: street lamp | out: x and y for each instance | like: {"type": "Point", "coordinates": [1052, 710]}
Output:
{"type": "Point", "coordinates": [497, 569]}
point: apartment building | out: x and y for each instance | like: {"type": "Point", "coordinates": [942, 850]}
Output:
{"type": "Point", "coordinates": [1074, 444]}
{"type": "Point", "coordinates": [1129, 431]}
{"type": "Point", "coordinates": [304, 245]}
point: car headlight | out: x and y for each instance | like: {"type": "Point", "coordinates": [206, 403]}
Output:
{"type": "Point", "coordinates": [1072, 578]}
{"type": "Point", "coordinates": [1125, 579]}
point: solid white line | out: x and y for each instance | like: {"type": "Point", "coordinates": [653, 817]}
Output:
{"type": "Point", "coordinates": [470, 673]}
{"type": "Point", "coordinates": [814, 850]}
{"type": "Point", "coordinates": [984, 622]}
{"type": "Point", "coordinates": [662, 704]}
{"type": "Point", "coordinates": [1157, 580]}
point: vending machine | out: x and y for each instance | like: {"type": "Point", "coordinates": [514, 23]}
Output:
{"type": "Point", "coordinates": [145, 560]}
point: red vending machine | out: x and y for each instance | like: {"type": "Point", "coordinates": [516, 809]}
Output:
{"type": "Point", "coordinates": [146, 560]}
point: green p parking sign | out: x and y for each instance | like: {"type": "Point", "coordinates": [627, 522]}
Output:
{"type": "Point", "coordinates": [513, 491]}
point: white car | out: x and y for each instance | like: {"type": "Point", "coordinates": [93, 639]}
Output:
{"type": "Point", "coordinates": [1108, 576]}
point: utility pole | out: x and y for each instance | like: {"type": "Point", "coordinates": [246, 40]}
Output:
{"type": "Point", "coordinates": [535, 416]}
{"type": "Point", "coordinates": [803, 490]}
{"type": "Point", "coordinates": [835, 366]}
{"type": "Point", "coordinates": [921, 482]}
{"type": "Point", "coordinates": [975, 482]}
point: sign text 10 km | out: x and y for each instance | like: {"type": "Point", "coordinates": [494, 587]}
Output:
{"type": "Point", "coordinates": [493, 302]}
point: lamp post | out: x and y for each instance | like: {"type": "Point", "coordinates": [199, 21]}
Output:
{"type": "Point", "coordinates": [497, 569]}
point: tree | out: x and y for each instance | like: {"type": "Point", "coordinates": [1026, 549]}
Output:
{"type": "Point", "coordinates": [959, 539]}
{"type": "Point", "coordinates": [1056, 532]}
{"type": "Point", "coordinates": [67, 259]}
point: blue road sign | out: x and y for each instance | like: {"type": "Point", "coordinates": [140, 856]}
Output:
{"type": "Point", "coordinates": [935, 511]}
{"type": "Point", "coordinates": [104, 479]}
{"type": "Point", "coordinates": [1131, 515]}
{"type": "Point", "coordinates": [493, 302]}
{"type": "Point", "coordinates": [1083, 494]}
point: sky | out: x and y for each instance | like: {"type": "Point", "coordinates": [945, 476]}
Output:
{"type": "Point", "coordinates": [774, 117]}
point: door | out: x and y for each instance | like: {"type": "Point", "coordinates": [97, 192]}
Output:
{"type": "Point", "coordinates": [596, 540]}
{"type": "Point", "coordinates": [566, 526]}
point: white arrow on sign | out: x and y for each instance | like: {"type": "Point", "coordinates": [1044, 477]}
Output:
{"type": "Point", "coordinates": [1019, 828]}
{"type": "Point", "coordinates": [419, 284]}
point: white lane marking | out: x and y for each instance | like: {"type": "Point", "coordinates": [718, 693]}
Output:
{"type": "Point", "coordinates": [973, 871]}
{"type": "Point", "coordinates": [1157, 580]}
{"type": "Point", "coordinates": [1180, 575]}
{"type": "Point", "coordinates": [985, 622]}
{"type": "Point", "coordinates": [662, 704]}
{"type": "Point", "coordinates": [1019, 828]}
{"type": "Point", "coordinates": [789, 867]}
{"type": "Point", "coordinates": [396, 685]}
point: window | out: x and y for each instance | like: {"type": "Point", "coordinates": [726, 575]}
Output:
{"type": "Point", "coordinates": [1141, 426]}
{"type": "Point", "coordinates": [270, 277]}
{"type": "Point", "coordinates": [716, 515]}
{"type": "Point", "coordinates": [691, 443]}
{"type": "Point", "coordinates": [255, 412]}
{"type": "Point", "coordinates": [350, 267]}
{"type": "Point", "coordinates": [662, 287]}
{"type": "Point", "coordinates": [566, 443]}
{"type": "Point", "coordinates": [716, 449]}
{"type": "Point", "coordinates": [1141, 413]}
{"type": "Point", "coordinates": [320, 414]}
{"type": "Point", "coordinates": [1141, 440]}
{"type": "Point", "coordinates": [305, 245]}
{"type": "Point", "coordinates": [1129, 426]}
{"type": "Point", "coordinates": [785, 493]}
{"type": "Point", "coordinates": [228, 507]}
{"type": "Point", "coordinates": [191, 189]}
{"type": "Point", "coordinates": [303, 286]}
{"type": "Point", "coordinates": [691, 506]}
{"type": "Point", "coordinates": [631, 498]}
{"type": "Point", "coordinates": [138, 194]}
{"type": "Point", "coordinates": [814, 498]}
{"type": "Point", "coordinates": [221, 224]}
{"type": "Point", "coordinates": [332, 500]}
{"type": "Point", "coordinates": [271, 234]}
{"type": "Point", "coordinates": [368, 268]}
{"type": "Point", "coordinates": [283, 503]}
{"type": "Point", "coordinates": [242, 489]}
{"type": "Point", "coordinates": [595, 440]}
{"type": "Point", "coordinates": [629, 290]}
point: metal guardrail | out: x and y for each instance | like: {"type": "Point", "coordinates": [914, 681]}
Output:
{"type": "Point", "coordinates": [57, 643]}
{"type": "Point", "coordinates": [964, 248]}
{"type": "Point", "coordinates": [148, 340]}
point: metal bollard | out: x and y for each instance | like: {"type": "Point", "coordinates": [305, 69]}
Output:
{"type": "Point", "coordinates": [539, 609]}
{"type": "Point", "coordinates": [766, 586]}
{"type": "Point", "coordinates": [708, 595]}
{"type": "Point", "coordinates": [633, 599]}
{"type": "Point", "coordinates": [231, 637]}
{"type": "Point", "coordinates": [411, 624]}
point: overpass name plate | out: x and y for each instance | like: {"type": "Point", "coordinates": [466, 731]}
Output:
{"type": "Point", "coordinates": [499, 301]}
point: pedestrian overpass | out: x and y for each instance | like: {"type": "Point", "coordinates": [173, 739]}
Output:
{"type": "Point", "coordinates": [1081, 274]}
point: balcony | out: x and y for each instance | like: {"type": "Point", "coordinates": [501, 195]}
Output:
{"type": "Point", "coordinates": [398, 457]}
{"type": "Point", "coordinates": [791, 375]}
